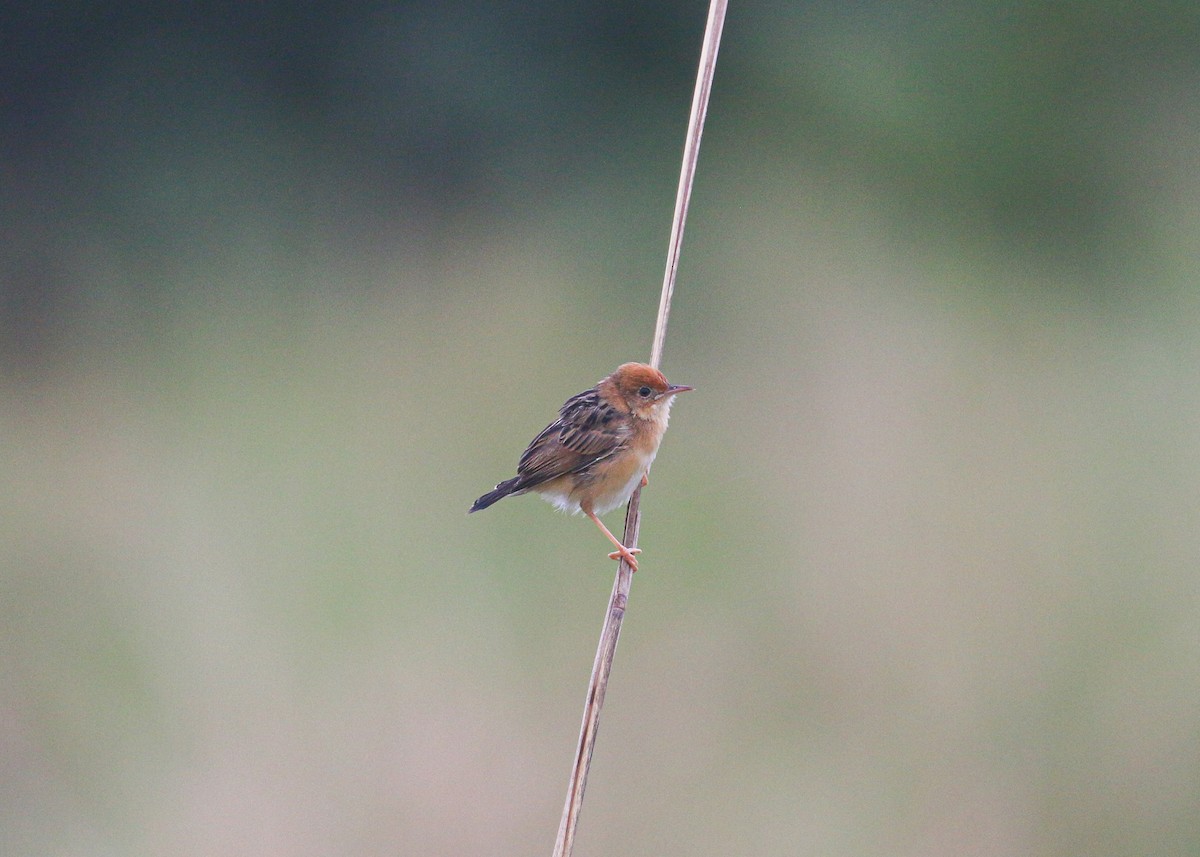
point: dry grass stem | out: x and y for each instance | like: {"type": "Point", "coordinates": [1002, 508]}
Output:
{"type": "Point", "coordinates": [687, 171]}
{"type": "Point", "coordinates": [619, 599]}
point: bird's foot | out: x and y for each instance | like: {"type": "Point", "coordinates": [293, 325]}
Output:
{"type": "Point", "coordinates": [645, 480]}
{"type": "Point", "coordinates": [628, 554]}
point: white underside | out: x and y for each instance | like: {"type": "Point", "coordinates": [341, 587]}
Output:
{"type": "Point", "coordinates": [564, 502]}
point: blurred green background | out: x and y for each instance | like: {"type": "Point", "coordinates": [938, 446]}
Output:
{"type": "Point", "coordinates": [284, 288]}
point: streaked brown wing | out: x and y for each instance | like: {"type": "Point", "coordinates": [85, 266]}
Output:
{"type": "Point", "coordinates": [587, 430]}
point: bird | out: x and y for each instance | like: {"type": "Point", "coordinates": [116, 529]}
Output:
{"type": "Point", "coordinates": [599, 450]}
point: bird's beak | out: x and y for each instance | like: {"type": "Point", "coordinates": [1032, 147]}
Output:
{"type": "Point", "coordinates": [677, 388]}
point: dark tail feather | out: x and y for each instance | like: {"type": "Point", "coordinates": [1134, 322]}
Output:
{"type": "Point", "coordinates": [508, 486]}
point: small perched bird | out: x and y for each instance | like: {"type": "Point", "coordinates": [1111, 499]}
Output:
{"type": "Point", "coordinates": [599, 449]}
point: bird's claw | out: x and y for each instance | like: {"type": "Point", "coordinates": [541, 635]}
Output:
{"type": "Point", "coordinates": [627, 554]}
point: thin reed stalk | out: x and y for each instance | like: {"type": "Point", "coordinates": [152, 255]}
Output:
{"type": "Point", "coordinates": [619, 599]}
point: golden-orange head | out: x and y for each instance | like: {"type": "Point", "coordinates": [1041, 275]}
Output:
{"type": "Point", "coordinates": [642, 389]}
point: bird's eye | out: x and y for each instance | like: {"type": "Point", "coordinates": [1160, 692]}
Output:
{"type": "Point", "coordinates": [644, 392]}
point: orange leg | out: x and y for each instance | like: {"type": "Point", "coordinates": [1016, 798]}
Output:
{"type": "Point", "coordinates": [645, 479]}
{"type": "Point", "coordinates": [621, 552]}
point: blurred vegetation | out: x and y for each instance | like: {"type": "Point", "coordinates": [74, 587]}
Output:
{"type": "Point", "coordinates": [285, 288]}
